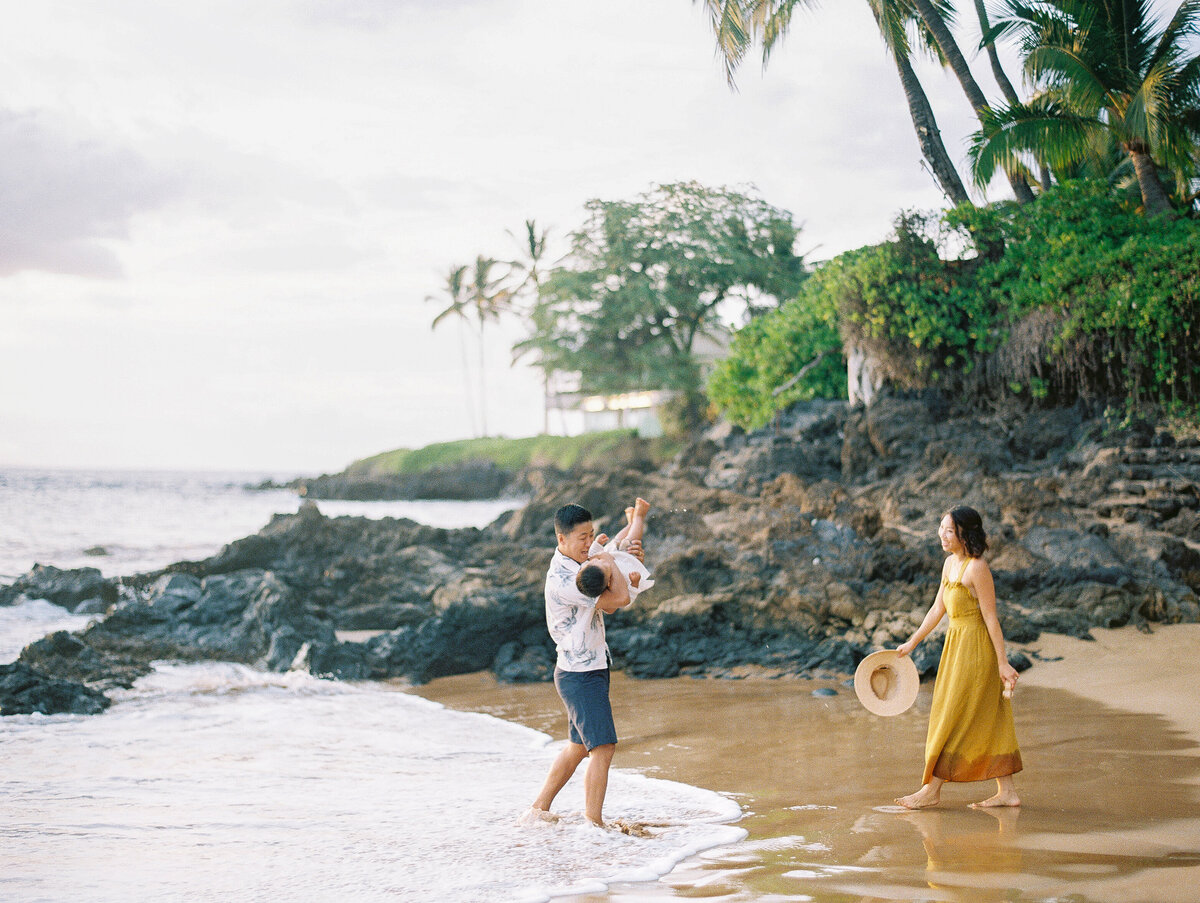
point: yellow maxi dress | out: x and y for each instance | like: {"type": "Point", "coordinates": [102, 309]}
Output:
{"type": "Point", "coordinates": [971, 735]}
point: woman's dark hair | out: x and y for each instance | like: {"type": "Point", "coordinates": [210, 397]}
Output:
{"type": "Point", "coordinates": [969, 526]}
{"type": "Point", "coordinates": [591, 580]}
{"type": "Point", "coordinates": [568, 517]}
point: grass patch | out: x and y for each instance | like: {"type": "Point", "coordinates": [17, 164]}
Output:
{"type": "Point", "coordinates": [563, 452]}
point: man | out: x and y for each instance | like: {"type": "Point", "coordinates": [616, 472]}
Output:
{"type": "Point", "coordinates": [581, 675]}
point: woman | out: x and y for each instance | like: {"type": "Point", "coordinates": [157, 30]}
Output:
{"type": "Point", "coordinates": [971, 735]}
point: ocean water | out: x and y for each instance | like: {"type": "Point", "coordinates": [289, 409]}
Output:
{"type": "Point", "coordinates": [219, 782]}
{"type": "Point", "coordinates": [124, 522]}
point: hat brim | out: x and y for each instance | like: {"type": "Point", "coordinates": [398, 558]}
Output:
{"type": "Point", "coordinates": [903, 682]}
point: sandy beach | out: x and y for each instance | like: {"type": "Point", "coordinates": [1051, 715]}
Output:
{"type": "Point", "coordinates": [1109, 732]}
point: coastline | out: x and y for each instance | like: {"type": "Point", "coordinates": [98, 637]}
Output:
{"type": "Point", "coordinates": [1110, 734]}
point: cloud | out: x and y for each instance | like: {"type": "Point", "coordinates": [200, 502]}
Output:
{"type": "Point", "coordinates": [64, 196]}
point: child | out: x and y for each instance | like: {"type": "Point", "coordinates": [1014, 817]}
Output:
{"type": "Point", "coordinates": [604, 557]}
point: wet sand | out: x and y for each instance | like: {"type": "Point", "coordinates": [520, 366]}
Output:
{"type": "Point", "coordinates": [1109, 734]}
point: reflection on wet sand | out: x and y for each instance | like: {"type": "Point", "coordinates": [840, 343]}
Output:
{"type": "Point", "coordinates": [1110, 796]}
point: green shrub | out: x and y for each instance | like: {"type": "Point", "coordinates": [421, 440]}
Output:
{"type": "Point", "coordinates": [914, 312]}
{"type": "Point", "coordinates": [1111, 296]}
{"type": "Point", "coordinates": [563, 452]}
{"type": "Point", "coordinates": [758, 377]}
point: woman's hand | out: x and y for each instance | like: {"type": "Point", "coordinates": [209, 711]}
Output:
{"type": "Point", "coordinates": [906, 648]}
{"type": "Point", "coordinates": [1008, 677]}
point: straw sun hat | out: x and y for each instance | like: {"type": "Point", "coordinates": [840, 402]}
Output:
{"type": "Point", "coordinates": [887, 682]}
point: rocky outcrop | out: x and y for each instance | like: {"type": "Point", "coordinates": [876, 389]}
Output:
{"type": "Point", "coordinates": [83, 590]}
{"type": "Point", "coordinates": [466, 481]}
{"type": "Point", "coordinates": [794, 550]}
{"type": "Point", "coordinates": [25, 691]}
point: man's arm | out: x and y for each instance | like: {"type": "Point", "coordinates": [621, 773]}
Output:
{"type": "Point", "coordinates": [616, 595]}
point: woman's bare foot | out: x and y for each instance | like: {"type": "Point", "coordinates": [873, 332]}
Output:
{"type": "Point", "coordinates": [924, 798]}
{"type": "Point", "coordinates": [1000, 799]}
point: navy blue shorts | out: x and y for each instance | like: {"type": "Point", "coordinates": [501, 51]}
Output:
{"type": "Point", "coordinates": [589, 713]}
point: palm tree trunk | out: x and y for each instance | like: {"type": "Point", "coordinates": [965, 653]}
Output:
{"type": "Point", "coordinates": [482, 386]}
{"type": "Point", "coordinates": [462, 347]}
{"type": "Point", "coordinates": [1006, 86]}
{"type": "Point", "coordinates": [1154, 196]}
{"type": "Point", "coordinates": [958, 64]}
{"type": "Point", "coordinates": [929, 136]}
{"type": "Point", "coordinates": [1002, 79]}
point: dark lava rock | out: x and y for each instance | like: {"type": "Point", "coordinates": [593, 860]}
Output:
{"type": "Point", "coordinates": [797, 549]}
{"type": "Point", "coordinates": [24, 691]}
{"type": "Point", "coordinates": [66, 588]}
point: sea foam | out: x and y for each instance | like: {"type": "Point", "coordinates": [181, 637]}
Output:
{"type": "Point", "coordinates": [220, 782]}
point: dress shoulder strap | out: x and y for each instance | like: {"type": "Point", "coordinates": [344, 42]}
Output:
{"type": "Point", "coordinates": [962, 570]}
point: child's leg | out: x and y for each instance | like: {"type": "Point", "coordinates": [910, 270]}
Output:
{"type": "Point", "coordinates": [637, 522]}
{"type": "Point", "coordinates": [619, 539]}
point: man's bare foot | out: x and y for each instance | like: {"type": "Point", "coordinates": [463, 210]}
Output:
{"type": "Point", "coordinates": [641, 506]}
{"type": "Point", "coordinates": [632, 828]}
{"type": "Point", "coordinates": [1000, 799]}
{"type": "Point", "coordinates": [533, 815]}
{"type": "Point", "coordinates": [634, 579]}
{"type": "Point", "coordinates": [922, 799]}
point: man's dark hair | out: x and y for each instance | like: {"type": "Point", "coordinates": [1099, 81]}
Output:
{"type": "Point", "coordinates": [591, 580]}
{"type": "Point", "coordinates": [568, 517]}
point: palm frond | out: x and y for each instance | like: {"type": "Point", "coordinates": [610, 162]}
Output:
{"type": "Point", "coordinates": [892, 19]}
{"type": "Point", "coordinates": [1069, 76]}
{"type": "Point", "coordinates": [731, 30]}
{"type": "Point", "coordinates": [1183, 25]}
{"type": "Point", "coordinates": [1043, 130]}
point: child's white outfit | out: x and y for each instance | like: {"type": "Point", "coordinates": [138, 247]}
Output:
{"type": "Point", "coordinates": [626, 564]}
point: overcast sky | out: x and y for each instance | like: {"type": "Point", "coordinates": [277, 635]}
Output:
{"type": "Point", "coordinates": [220, 220]}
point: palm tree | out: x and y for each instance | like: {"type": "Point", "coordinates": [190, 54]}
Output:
{"type": "Point", "coordinates": [532, 246]}
{"type": "Point", "coordinates": [737, 24]}
{"type": "Point", "coordinates": [1105, 74]}
{"type": "Point", "coordinates": [488, 298]}
{"type": "Point", "coordinates": [988, 42]}
{"type": "Point", "coordinates": [456, 290]}
{"type": "Point", "coordinates": [934, 18]}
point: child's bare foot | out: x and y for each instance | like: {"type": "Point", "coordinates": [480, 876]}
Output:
{"type": "Point", "coordinates": [1000, 799]}
{"type": "Point", "coordinates": [634, 579]}
{"type": "Point", "coordinates": [922, 799]}
{"type": "Point", "coordinates": [641, 506]}
{"type": "Point", "coordinates": [629, 515]}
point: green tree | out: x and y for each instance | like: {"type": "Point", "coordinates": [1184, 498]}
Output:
{"type": "Point", "coordinates": [1104, 73]}
{"type": "Point", "coordinates": [646, 278]}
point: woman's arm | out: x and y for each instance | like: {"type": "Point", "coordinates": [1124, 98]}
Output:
{"type": "Point", "coordinates": [982, 585]}
{"type": "Point", "coordinates": [931, 621]}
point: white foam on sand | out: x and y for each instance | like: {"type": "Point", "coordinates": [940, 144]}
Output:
{"type": "Point", "coordinates": [219, 782]}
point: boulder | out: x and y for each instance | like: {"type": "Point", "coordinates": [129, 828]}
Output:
{"type": "Point", "coordinates": [69, 589]}
{"type": "Point", "coordinates": [24, 691]}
